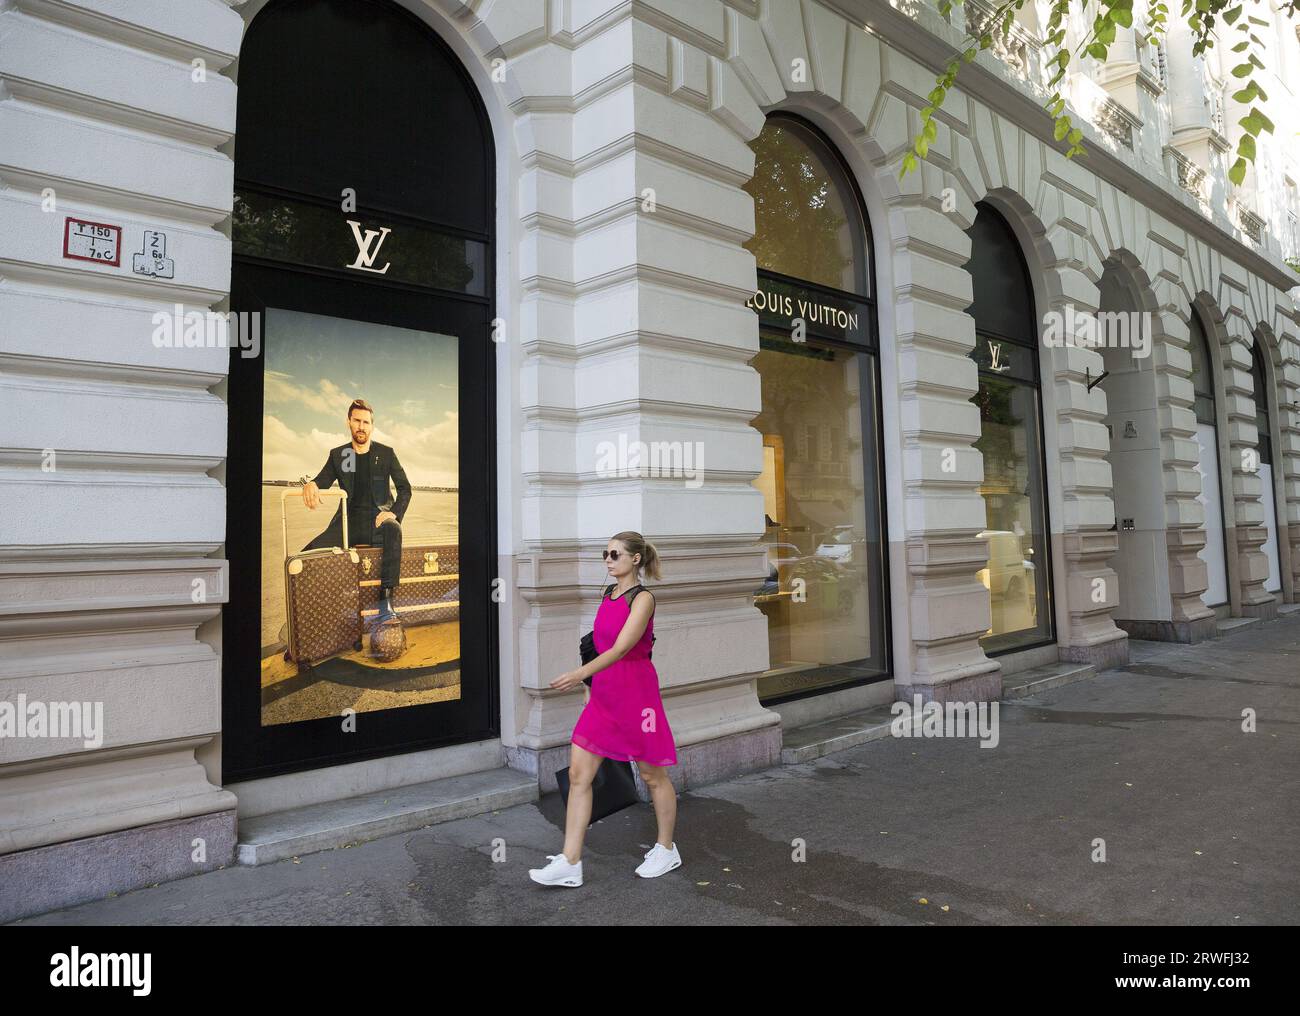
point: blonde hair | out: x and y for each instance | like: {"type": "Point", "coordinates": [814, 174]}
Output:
{"type": "Point", "coordinates": [638, 544]}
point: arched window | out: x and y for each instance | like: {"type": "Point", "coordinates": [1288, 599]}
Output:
{"type": "Point", "coordinates": [362, 237]}
{"type": "Point", "coordinates": [1214, 552]}
{"type": "Point", "coordinates": [1264, 448]}
{"type": "Point", "coordinates": [1018, 575]}
{"type": "Point", "coordinates": [1202, 373]}
{"type": "Point", "coordinates": [825, 598]}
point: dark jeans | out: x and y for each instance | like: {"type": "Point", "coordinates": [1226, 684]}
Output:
{"type": "Point", "coordinates": [363, 530]}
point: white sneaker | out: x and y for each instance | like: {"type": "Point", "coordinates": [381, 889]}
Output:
{"type": "Point", "coordinates": [659, 861]}
{"type": "Point", "coordinates": [558, 872]}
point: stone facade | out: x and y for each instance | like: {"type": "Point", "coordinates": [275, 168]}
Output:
{"type": "Point", "coordinates": [622, 137]}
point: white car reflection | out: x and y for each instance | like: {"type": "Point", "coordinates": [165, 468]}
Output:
{"type": "Point", "coordinates": [829, 575]}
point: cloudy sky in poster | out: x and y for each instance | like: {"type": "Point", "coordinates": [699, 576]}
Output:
{"type": "Point", "coordinates": [315, 367]}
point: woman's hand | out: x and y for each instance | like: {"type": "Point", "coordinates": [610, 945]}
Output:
{"type": "Point", "coordinates": [567, 680]}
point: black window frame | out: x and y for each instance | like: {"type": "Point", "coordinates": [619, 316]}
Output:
{"type": "Point", "coordinates": [1027, 339]}
{"type": "Point", "coordinates": [873, 446]}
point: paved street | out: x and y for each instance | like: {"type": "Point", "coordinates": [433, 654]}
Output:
{"type": "Point", "coordinates": [1199, 821]}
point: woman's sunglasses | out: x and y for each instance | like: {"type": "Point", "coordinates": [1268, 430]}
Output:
{"type": "Point", "coordinates": [611, 555]}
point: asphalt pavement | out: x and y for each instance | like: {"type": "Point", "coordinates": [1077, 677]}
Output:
{"type": "Point", "coordinates": [1150, 763]}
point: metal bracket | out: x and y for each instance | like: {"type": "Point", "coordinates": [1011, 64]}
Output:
{"type": "Point", "coordinates": [1087, 373]}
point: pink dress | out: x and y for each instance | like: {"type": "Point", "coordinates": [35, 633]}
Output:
{"type": "Point", "coordinates": [624, 718]}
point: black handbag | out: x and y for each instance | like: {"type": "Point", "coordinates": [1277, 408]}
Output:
{"type": "Point", "coordinates": [613, 789]}
{"type": "Point", "coordinates": [587, 650]}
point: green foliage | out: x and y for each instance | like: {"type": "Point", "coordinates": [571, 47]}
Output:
{"type": "Point", "coordinates": [1207, 19]}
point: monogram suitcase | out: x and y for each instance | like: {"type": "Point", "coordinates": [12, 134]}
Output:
{"type": "Point", "coordinates": [321, 596]}
{"type": "Point", "coordinates": [428, 591]}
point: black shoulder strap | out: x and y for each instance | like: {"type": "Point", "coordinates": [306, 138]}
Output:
{"type": "Point", "coordinates": [633, 592]}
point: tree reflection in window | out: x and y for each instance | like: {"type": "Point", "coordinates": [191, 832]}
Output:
{"type": "Point", "coordinates": [802, 225]}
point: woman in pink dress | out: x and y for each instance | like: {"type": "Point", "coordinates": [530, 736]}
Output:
{"type": "Point", "coordinates": [624, 718]}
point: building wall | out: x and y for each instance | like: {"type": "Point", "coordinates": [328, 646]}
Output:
{"type": "Point", "coordinates": [622, 137]}
{"type": "Point", "coordinates": [111, 576]}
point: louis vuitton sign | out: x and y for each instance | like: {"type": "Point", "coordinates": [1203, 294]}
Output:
{"type": "Point", "coordinates": [792, 308]}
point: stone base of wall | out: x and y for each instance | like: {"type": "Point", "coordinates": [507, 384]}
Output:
{"type": "Point", "coordinates": [986, 687]}
{"type": "Point", "coordinates": [1171, 631]}
{"type": "Point", "coordinates": [1266, 611]}
{"type": "Point", "coordinates": [697, 764]}
{"type": "Point", "coordinates": [1102, 655]}
{"type": "Point", "coordinates": [78, 871]}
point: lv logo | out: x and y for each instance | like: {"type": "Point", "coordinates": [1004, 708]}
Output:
{"type": "Point", "coordinates": [366, 253]}
{"type": "Point", "coordinates": [430, 563]}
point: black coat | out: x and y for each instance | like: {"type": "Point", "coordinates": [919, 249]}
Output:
{"type": "Point", "coordinates": [383, 466]}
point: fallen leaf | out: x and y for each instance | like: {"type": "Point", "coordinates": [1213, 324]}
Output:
{"type": "Point", "coordinates": [922, 900]}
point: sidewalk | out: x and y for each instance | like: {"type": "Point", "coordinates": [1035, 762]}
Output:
{"type": "Point", "coordinates": [1200, 822]}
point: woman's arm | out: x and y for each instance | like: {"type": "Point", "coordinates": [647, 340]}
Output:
{"type": "Point", "coordinates": [633, 628]}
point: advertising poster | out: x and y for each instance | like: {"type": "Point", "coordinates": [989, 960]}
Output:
{"type": "Point", "coordinates": [364, 616]}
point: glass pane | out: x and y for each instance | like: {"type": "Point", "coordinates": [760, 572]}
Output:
{"type": "Point", "coordinates": [1000, 286]}
{"type": "Point", "coordinates": [313, 602]}
{"type": "Point", "coordinates": [803, 227]}
{"type": "Point", "coordinates": [1017, 573]}
{"type": "Point", "coordinates": [412, 139]}
{"type": "Point", "coordinates": [302, 233]}
{"type": "Point", "coordinates": [820, 484]}
{"type": "Point", "coordinates": [1263, 424]}
{"type": "Point", "coordinates": [1202, 380]}
{"type": "Point", "coordinates": [1200, 366]}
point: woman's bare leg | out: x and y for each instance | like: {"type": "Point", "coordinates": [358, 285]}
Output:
{"type": "Point", "coordinates": [665, 800]}
{"type": "Point", "coordinates": [582, 770]}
